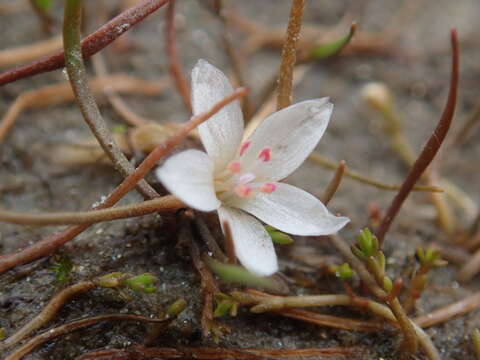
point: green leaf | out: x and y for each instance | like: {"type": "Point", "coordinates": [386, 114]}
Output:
{"type": "Point", "coordinates": [239, 275]}
{"type": "Point", "coordinates": [334, 47]}
{"type": "Point", "coordinates": [344, 271]}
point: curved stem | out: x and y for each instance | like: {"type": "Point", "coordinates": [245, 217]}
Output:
{"type": "Point", "coordinates": [78, 80]}
{"type": "Point", "coordinates": [165, 203]}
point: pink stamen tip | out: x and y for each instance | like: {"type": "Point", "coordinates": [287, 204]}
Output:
{"type": "Point", "coordinates": [235, 167]}
{"type": "Point", "coordinates": [265, 154]}
{"type": "Point", "coordinates": [243, 190]}
{"type": "Point", "coordinates": [268, 188]}
{"type": "Point", "coordinates": [244, 147]}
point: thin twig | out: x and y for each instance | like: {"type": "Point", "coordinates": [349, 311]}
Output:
{"type": "Point", "coordinates": [285, 80]}
{"type": "Point", "coordinates": [53, 242]}
{"type": "Point", "coordinates": [207, 236]}
{"type": "Point", "coordinates": [60, 93]}
{"type": "Point", "coordinates": [49, 311]}
{"type": "Point", "coordinates": [275, 303]}
{"type": "Point", "coordinates": [334, 183]}
{"type": "Point", "coordinates": [23, 53]}
{"type": "Point", "coordinates": [161, 204]}
{"type": "Point", "coordinates": [443, 314]}
{"type": "Point", "coordinates": [116, 101]}
{"type": "Point", "coordinates": [72, 326]}
{"type": "Point", "coordinates": [88, 106]}
{"type": "Point", "coordinates": [320, 160]}
{"type": "Point", "coordinates": [217, 353]}
{"type": "Point", "coordinates": [91, 44]}
{"type": "Point", "coordinates": [430, 149]}
{"type": "Point", "coordinates": [172, 55]}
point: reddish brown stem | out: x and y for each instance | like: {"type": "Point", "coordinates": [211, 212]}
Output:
{"type": "Point", "coordinates": [54, 241]}
{"type": "Point", "coordinates": [90, 45]}
{"type": "Point", "coordinates": [430, 149]}
{"type": "Point", "coordinates": [171, 51]}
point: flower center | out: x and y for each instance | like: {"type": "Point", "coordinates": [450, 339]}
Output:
{"type": "Point", "coordinates": [237, 181]}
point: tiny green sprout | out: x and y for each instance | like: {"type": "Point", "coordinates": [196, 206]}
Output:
{"type": "Point", "coordinates": [3, 333]}
{"type": "Point", "coordinates": [119, 129]}
{"type": "Point", "coordinates": [430, 258]}
{"type": "Point", "coordinates": [176, 308]}
{"type": "Point", "coordinates": [225, 304]}
{"type": "Point", "coordinates": [142, 283]}
{"type": "Point", "coordinates": [334, 47]}
{"type": "Point", "coordinates": [366, 245]}
{"type": "Point", "coordinates": [63, 270]}
{"type": "Point", "coordinates": [278, 237]}
{"type": "Point", "coordinates": [476, 342]}
{"type": "Point", "coordinates": [344, 271]}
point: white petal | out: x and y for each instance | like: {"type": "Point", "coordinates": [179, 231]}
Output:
{"type": "Point", "coordinates": [189, 176]}
{"type": "Point", "coordinates": [291, 210]}
{"type": "Point", "coordinates": [222, 133]}
{"type": "Point", "coordinates": [291, 134]}
{"type": "Point", "coordinates": [253, 245]}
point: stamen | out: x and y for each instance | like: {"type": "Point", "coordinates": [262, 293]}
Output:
{"type": "Point", "coordinates": [244, 147]}
{"type": "Point", "coordinates": [268, 188]}
{"type": "Point", "coordinates": [246, 178]}
{"type": "Point", "coordinates": [234, 167]}
{"type": "Point", "coordinates": [265, 154]}
{"type": "Point", "coordinates": [243, 190]}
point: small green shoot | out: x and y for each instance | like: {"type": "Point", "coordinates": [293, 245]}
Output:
{"type": "Point", "coordinates": [63, 270]}
{"type": "Point", "coordinates": [142, 283]}
{"type": "Point", "coordinates": [344, 271]}
{"type": "Point", "coordinates": [326, 50]}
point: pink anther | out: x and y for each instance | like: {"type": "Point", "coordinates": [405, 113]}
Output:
{"type": "Point", "coordinates": [265, 154]}
{"type": "Point", "coordinates": [234, 167]}
{"type": "Point", "coordinates": [244, 147]}
{"type": "Point", "coordinates": [243, 190]}
{"type": "Point", "coordinates": [268, 188]}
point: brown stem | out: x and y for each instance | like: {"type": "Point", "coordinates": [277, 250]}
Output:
{"type": "Point", "coordinates": [285, 80]}
{"type": "Point", "coordinates": [49, 311]}
{"type": "Point", "coordinates": [88, 106]}
{"type": "Point", "coordinates": [430, 149]}
{"type": "Point", "coordinates": [171, 51]}
{"type": "Point", "coordinates": [74, 325]}
{"type": "Point", "coordinates": [91, 44]}
{"type": "Point", "coordinates": [334, 183]}
{"type": "Point", "coordinates": [161, 204]}
{"type": "Point", "coordinates": [53, 242]}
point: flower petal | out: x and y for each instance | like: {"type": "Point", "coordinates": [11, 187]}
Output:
{"type": "Point", "coordinates": [291, 210]}
{"type": "Point", "coordinates": [189, 176]}
{"type": "Point", "coordinates": [253, 245]}
{"type": "Point", "coordinates": [290, 134]}
{"type": "Point", "coordinates": [222, 133]}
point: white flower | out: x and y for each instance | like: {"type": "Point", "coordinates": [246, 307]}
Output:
{"type": "Point", "coordinates": [236, 178]}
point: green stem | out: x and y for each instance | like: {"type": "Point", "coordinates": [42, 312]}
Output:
{"type": "Point", "coordinates": [78, 80]}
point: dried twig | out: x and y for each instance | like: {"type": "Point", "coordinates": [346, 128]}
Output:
{"type": "Point", "coordinates": [72, 326]}
{"type": "Point", "coordinates": [91, 44]}
{"type": "Point", "coordinates": [60, 93]}
{"type": "Point", "coordinates": [285, 80]}
{"type": "Point", "coordinates": [49, 311]}
{"type": "Point", "coordinates": [24, 53]}
{"type": "Point", "coordinates": [88, 106]}
{"type": "Point", "coordinates": [320, 160]}
{"type": "Point", "coordinates": [204, 353]}
{"type": "Point", "coordinates": [443, 314]}
{"type": "Point", "coordinates": [174, 62]}
{"type": "Point", "coordinates": [53, 242]}
{"type": "Point", "coordinates": [430, 149]}
{"type": "Point", "coordinates": [161, 204]}
{"type": "Point", "coordinates": [334, 183]}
